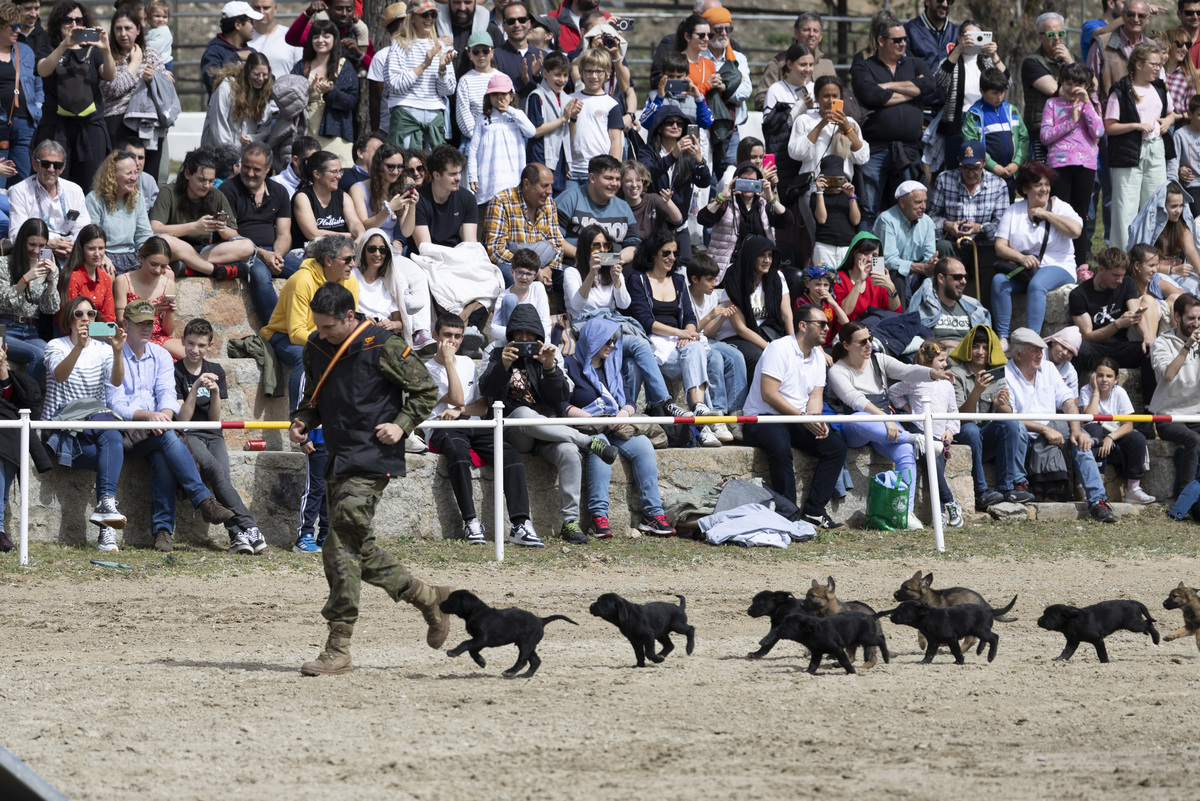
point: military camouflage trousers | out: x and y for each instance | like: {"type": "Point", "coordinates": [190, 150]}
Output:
{"type": "Point", "coordinates": [350, 553]}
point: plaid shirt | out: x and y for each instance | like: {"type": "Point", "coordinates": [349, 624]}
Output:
{"type": "Point", "coordinates": [949, 200]}
{"type": "Point", "coordinates": [1180, 90]}
{"type": "Point", "coordinates": [506, 223]}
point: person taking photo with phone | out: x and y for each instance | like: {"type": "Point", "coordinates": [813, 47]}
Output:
{"type": "Point", "coordinates": [735, 216]}
{"type": "Point", "coordinates": [32, 289]}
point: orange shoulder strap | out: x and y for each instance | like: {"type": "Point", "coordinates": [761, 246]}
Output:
{"type": "Point", "coordinates": [341, 351]}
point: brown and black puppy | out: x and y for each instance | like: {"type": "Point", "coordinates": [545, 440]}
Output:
{"type": "Point", "coordinates": [491, 628]}
{"type": "Point", "coordinates": [1187, 599]}
{"type": "Point", "coordinates": [821, 600]}
{"type": "Point", "coordinates": [948, 626]}
{"type": "Point", "coordinates": [920, 588]}
{"type": "Point", "coordinates": [777, 605]}
{"type": "Point", "coordinates": [1093, 623]}
{"type": "Point", "coordinates": [823, 635]}
{"type": "Point", "coordinates": [642, 624]}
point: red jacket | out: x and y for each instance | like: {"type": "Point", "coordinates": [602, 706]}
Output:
{"type": "Point", "coordinates": [569, 38]}
{"type": "Point", "coordinates": [297, 34]}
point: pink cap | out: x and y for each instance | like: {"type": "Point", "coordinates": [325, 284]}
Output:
{"type": "Point", "coordinates": [500, 83]}
{"type": "Point", "coordinates": [1069, 338]}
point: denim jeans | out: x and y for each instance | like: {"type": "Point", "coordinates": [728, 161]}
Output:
{"type": "Point", "coordinates": [171, 465]}
{"type": "Point", "coordinates": [875, 434]}
{"type": "Point", "coordinates": [640, 454]}
{"type": "Point", "coordinates": [687, 364]}
{"type": "Point", "coordinates": [292, 356]}
{"type": "Point", "coordinates": [25, 347]}
{"type": "Point", "coordinates": [1087, 472]}
{"type": "Point", "coordinates": [1006, 441]}
{"type": "Point", "coordinates": [1044, 280]}
{"type": "Point", "coordinates": [106, 457]}
{"type": "Point", "coordinates": [262, 291]}
{"type": "Point", "coordinates": [559, 446]}
{"type": "Point", "coordinates": [727, 385]}
{"type": "Point", "coordinates": [639, 366]}
{"type": "Point", "coordinates": [18, 151]}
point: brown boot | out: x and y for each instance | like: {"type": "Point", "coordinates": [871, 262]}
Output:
{"type": "Point", "coordinates": [426, 598]}
{"type": "Point", "coordinates": [335, 658]}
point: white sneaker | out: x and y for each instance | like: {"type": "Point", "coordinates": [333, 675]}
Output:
{"type": "Point", "coordinates": [473, 532]}
{"type": "Point", "coordinates": [914, 522]}
{"type": "Point", "coordinates": [701, 410]}
{"type": "Point", "coordinates": [722, 432]}
{"type": "Point", "coordinates": [1139, 496]}
{"type": "Point", "coordinates": [954, 515]}
{"type": "Point", "coordinates": [708, 439]}
{"type": "Point", "coordinates": [523, 534]}
{"type": "Point", "coordinates": [414, 444]}
{"type": "Point", "coordinates": [241, 544]}
{"type": "Point", "coordinates": [107, 540]}
{"type": "Point", "coordinates": [258, 543]}
{"type": "Point", "coordinates": [1004, 344]}
{"type": "Point", "coordinates": [106, 514]}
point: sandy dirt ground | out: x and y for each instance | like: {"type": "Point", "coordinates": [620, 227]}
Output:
{"type": "Point", "coordinates": [188, 688]}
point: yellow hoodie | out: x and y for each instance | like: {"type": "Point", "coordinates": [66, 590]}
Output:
{"type": "Point", "coordinates": [292, 315]}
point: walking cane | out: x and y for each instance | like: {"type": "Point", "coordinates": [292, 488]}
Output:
{"type": "Point", "coordinates": [975, 251]}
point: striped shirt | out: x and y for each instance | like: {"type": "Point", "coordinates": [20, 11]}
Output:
{"type": "Point", "coordinates": [424, 91]}
{"type": "Point", "coordinates": [87, 380]}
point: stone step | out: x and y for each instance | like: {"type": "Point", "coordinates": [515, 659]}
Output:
{"type": "Point", "coordinates": [1047, 512]}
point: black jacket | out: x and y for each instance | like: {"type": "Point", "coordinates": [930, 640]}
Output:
{"type": "Point", "coordinates": [25, 395]}
{"type": "Point", "coordinates": [902, 122]}
{"type": "Point", "coordinates": [549, 388]}
{"type": "Point", "coordinates": [1124, 150]}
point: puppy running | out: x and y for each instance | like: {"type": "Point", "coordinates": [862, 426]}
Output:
{"type": "Point", "coordinates": [948, 626]}
{"type": "Point", "coordinates": [491, 628]}
{"type": "Point", "coordinates": [920, 588]}
{"type": "Point", "coordinates": [1093, 623]}
{"type": "Point", "coordinates": [642, 624]}
{"type": "Point", "coordinates": [851, 629]}
{"type": "Point", "coordinates": [821, 600]}
{"type": "Point", "coordinates": [777, 605]}
{"type": "Point", "coordinates": [1187, 599]}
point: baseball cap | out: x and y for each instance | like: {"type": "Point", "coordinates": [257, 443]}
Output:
{"type": "Point", "coordinates": [480, 38]}
{"type": "Point", "coordinates": [238, 8]}
{"type": "Point", "coordinates": [971, 153]}
{"type": "Point", "coordinates": [140, 311]}
{"type": "Point", "coordinates": [421, 6]}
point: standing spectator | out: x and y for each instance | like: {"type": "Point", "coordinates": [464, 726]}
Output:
{"type": "Point", "coordinates": [957, 78]}
{"type": "Point", "coordinates": [32, 32]}
{"type": "Point", "coordinates": [158, 31]}
{"type": "Point", "coordinates": [795, 85]}
{"type": "Point", "coordinates": [148, 394]}
{"type": "Point", "coordinates": [722, 52]}
{"type": "Point", "coordinates": [270, 39]}
{"type": "Point", "coordinates": [996, 123]}
{"type": "Point", "coordinates": [1189, 23]}
{"type": "Point", "coordinates": [85, 273]}
{"type": "Point", "coordinates": [1116, 441]}
{"type": "Point", "coordinates": [1071, 131]}
{"type": "Point", "coordinates": [1111, 20]}
{"type": "Point", "coordinates": [931, 33]}
{"type": "Point", "coordinates": [891, 87]}
{"type": "Point", "coordinates": [419, 77]}
{"type": "Point", "coordinates": [46, 195]}
{"type": "Point", "coordinates": [516, 57]}
{"type": "Point", "coordinates": [18, 120]}
{"type": "Point", "coordinates": [135, 64]}
{"type": "Point", "coordinates": [835, 213]}
{"type": "Point", "coordinates": [79, 368]}
{"type": "Point", "coordinates": [676, 162]}
{"type": "Point", "coordinates": [1187, 147]}
{"type": "Point", "coordinates": [549, 108]}
{"type": "Point", "coordinates": [1109, 54]}
{"type": "Point", "coordinates": [808, 30]}
{"type": "Point", "coordinates": [497, 155]}
{"type": "Point", "coordinates": [380, 99]}
{"type": "Point", "coordinates": [457, 21]}
{"type": "Point", "coordinates": [1183, 80]}
{"type": "Point", "coordinates": [1177, 371]}
{"type": "Point", "coordinates": [1136, 116]}
{"type": "Point", "coordinates": [909, 241]}
{"type": "Point", "coordinates": [116, 205]}
{"type": "Point", "coordinates": [333, 89]}
{"type": "Point", "coordinates": [351, 32]}
{"type": "Point", "coordinates": [473, 85]}
{"type": "Point", "coordinates": [31, 289]}
{"type": "Point", "coordinates": [232, 43]}
{"type": "Point", "coordinates": [1041, 74]}
{"type": "Point", "coordinates": [597, 127]}
{"type": "Point", "coordinates": [241, 110]}
{"type": "Point", "coordinates": [71, 75]}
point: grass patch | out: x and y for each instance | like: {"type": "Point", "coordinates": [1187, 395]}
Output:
{"type": "Point", "coordinates": [1149, 535]}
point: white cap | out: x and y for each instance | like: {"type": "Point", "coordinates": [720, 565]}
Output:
{"type": "Point", "coordinates": [239, 8]}
{"type": "Point", "coordinates": [908, 187]}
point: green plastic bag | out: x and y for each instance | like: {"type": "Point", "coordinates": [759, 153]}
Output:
{"type": "Point", "coordinates": [887, 501]}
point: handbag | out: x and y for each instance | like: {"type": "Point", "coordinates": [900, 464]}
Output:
{"type": "Point", "coordinates": [887, 501]}
{"type": "Point", "coordinates": [1019, 272]}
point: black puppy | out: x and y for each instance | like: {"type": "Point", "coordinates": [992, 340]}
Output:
{"type": "Point", "coordinates": [642, 624]}
{"type": "Point", "coordinates": [1093, 623]}
{"type": "Point", "coordinates": [820, 635]}
{"type": "Point", "coordinates": [948, 626]}
{"type": "Point", "coordinates": [491, 628]}
{"type": "Point", "coordinates": [776, 604]}
{"type": "Point", "coordinates": [852, 629]}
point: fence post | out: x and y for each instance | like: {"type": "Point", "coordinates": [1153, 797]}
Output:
{"type": "Point", "coordinates": [498, 478]}
{"type": "Point", "coordinates": [935, 494]}
{"type": "Point", "coordinates": [23, 552]}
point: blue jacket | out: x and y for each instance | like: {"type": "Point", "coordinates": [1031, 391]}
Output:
{"type": "Point", "coordinates": [924, 42]}
{"type": "Point", "coordinates": [925, 302]}
{"type": "Point", "coordinates": [220, 51]}
{"type": "Point", "coordinates": [340, 102]}
{"type": "Point", "coordinates": [31, 86]}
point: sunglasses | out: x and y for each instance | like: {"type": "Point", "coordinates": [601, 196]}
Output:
{"type": "Point", "coordinates": [1055, 34]}
{"type": "Point", "coordinates": [516, 20]}
{"type": "Point", "coordinates": [957, 276]}
{"type": "Point", "coordinates": [428, 15]}
{"type": "Point", "coordinates": [822, 323]}
{"type": "Point", "coordinates": [1129, 15]}
{"type": "Point", "coordinates": [46, 164]}
{"type": "Point", "coordinates": [1183, 44]}
{"type": "Point", "coordinates": [670, 253]}
{"type": "Point", "coordinates": [899, 39]}
{"type": "Point", "coordinates": [701, 35]}
{"type": "Point", "coordinates": [74, 21]}
{"type": "Point", "coordinates": [480, 51]}
{"type": "Point", "coordinates": [414, 170]}
{"type": "Point", "coordinates": [719, 29]}
{"type": "Point", "coordinates": [861, 342]}
{"type": "Point", "coordinates": [612, 343]}
{"type": "Point", "coordinates": [673, 123]}
{"type": "Point", "coordinates": [393, 167]}
{"type": "Point", "coordinates": [380, 249]}
{"type": "Point", "coordinates": [1194, 12]}
{"type": "Point", "coordinates": [81, 314]}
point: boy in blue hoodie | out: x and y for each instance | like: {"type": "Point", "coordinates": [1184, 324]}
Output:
{"type": "Point", "coordinates": [690, 104]}
{"type": "Point", "coordinates": [996, 123]}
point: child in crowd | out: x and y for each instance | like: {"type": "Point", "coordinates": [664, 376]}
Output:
{"type": "Point", "coordinates": [835, 210]}
{"type": "Point", "coordinates": [690, 102]}
{"type": "Point", "coordinates": [1071, 131]}
{"type": "Point", "coordinates": [796, 86]}
{"type": "Point", "coordinates": [913, 397]}
{"type": "Point", "coordinates": [1187, 148]}
{"type": "Point", "coordinates": [158, 31]}
{"type": "Point", "coordinates": [473, 85]}
{"type": "Point", "coordinates": [996, 123]}
{"type": "Point", "coordinates": [550, 110]}
{"type": "Point", "coordinates": [1116, 441]}
{"type": "Point", "coordinates": [200, 386]}
{"type": "Point", "coordinates": [732, 385]}
{"type": "Point", "coordinates": [818, 291]}
{"type": "Point", "coordinates": [1061, 347]}
{"type": "Point", "coordinates": [650, 209]}
{"type": "Point", "coordinates": [597, 127]}
{"type": "Point", "coordinates": [496, 156]}
{"type": "Point", "coordinates": [524, 289]}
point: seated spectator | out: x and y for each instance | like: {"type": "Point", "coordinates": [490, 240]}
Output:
{"type": "Point", "coordinates": [32, 290]}
{"type": "Point", "coordinates": [147, 183]}
{"type": "Point", "coordinates": [319, 208]}
{"type": "Point", "coordinates": [651, 209]}
{"type": "Point", "coordinates": [969, 202]}
{"type": "Point", "coordinates": [595, 202]}
{"type": "Point", "coordinates": [859, 380]}
{"type": "Point", "coordinates": [241, 110]}
{"type": "Point", "coordinates": [116, 205]}
{"type": "Point", "coordinates": [372, 260]}
{"type": "Point", "coordinates": [85, 274]}
{"type": "Point", "coordinates": [525, 289]}
{"type": "Point", "coordinates": [550, 109]}
{"type": "Point", "coordinates": [736, 216]}
{"type": "Point", "coordinates": [302, 148]}
{"type": "Point", "coordinates": [525, 217]}
{"type": "Point", "coordinates": [790, 379]}
{"type": "Point", "coordinates": [147, 393]}
{"type": "Point", "coordinates": [457, 382]}
{"type": "Point", "coordinates": [402, 291]}
{"type": "Point", "coordinates": [599, 390]}
{"type": "Point", "coordinates": [835, 212]}
{"type": "Point", "coordinates": [818, 291]}
{"type": "Point", "coordinates": [859, 286]}
{"type": "Point", "coordinates": [264, 216]}
{"type": "Point", "coordinates": [757, 293]}
{"type": "Point", "coordinates": [237, 30]}
{"type": "Point", "coordinates": [1177, 371]}
{"type": "Point", "coordinates": [384, 196]}
{"type": "Point", "coordinates": [978, 391]}
{"type": "Point", "coordinates": [1106, 307]}
{"type": "Point", "coordinates": [1156, 293]}
{"type": "Point", "coordinates": [909, 240]}
{"type": "Point", "coordinates": [691, 104]}
{"type": "Point", "coordinates": [496, 157]}
{"type": "Point", "coordinates": [1166, 222]}
{"type": "Point", "coordinates": [995, 122]}
{"type": "Point", "coordinates": [330, 259]}
{"type": "Point", "coordinates": [1116, 441]}
{"type": "Point", "coordinates": [18, 392]}
{"type": "Point", "coordinates": [1037, 389]}
{"type": "Point", "coordinates": [365, 147]}
{"type": "Point", "coordinates": [200, 386]}
{"type": "Point", "coordinates": [153, 282]}
{"type": "Point", "coordinates": [53, 199]}
{"type": "Point", "coordinates": [958, 79]}
{"type": "Point", "coordinates": [532, 386]}
{"type": "Point", "coordinates": [333, 92]}
{"type": "Point", "coordinates": [198, 223]}
{"type": "Point", "coordinates": [914, 397]}
{"type": "Point", "coordinates": [78, 369]}
{"type": "Point", "coordinates": [1071, 129]}
{"type": "Point", "coordinates": [944, 308]}
{"type": "Point", "coordinates": [676, 162]}
{"type": "Point", "coordinates": [659, 302]}
{"type": "Point", "coordinates": [445, 213]}
{"type": "Point", "coordinates": [1063, 347]}
{"type": "Point", "coordinates": [727, 386]}
{"type": "Point", "coordinates": [597, 128]}
{"type": "Point", "coordinates": [420, 78]}
{"type": "Point", "coordinates": [1036, 234]}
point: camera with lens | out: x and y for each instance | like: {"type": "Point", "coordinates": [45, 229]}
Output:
{"type": "Point", "coordinates": [608, 40]}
